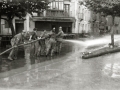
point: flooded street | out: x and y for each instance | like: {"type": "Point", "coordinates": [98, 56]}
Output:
{"type": "Point", "coordinates": [67, 71]}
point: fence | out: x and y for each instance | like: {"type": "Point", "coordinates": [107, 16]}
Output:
{"type": "Point", "coordinates": [5, 36]}
{"type": "Point", "coordinates": [5, 40]}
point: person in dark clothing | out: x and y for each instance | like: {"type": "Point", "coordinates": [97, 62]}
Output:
{"type": "Point", "coordinates": [17, 39]}
{"type": "Point", "coordinates": [33, 36]}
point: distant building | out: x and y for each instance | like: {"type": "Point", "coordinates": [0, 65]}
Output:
{"type": "Point", "coordinates": [60, 13]}
{"type": "Point", "coordinates": [83, 24]}
{"type": "Point", "coordinates": [70, 14]}
{"type": "Point", "coordinates": [88, 21]}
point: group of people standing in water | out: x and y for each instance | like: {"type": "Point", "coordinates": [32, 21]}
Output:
{"type": "Point", "coordinates": [46, 43]}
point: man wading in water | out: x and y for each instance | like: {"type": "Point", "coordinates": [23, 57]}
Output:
{"type": "Point", "coordinates": [16, 40]}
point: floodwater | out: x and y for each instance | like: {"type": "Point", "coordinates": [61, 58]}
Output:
{"type": "Point", "coordinates": [67, 71]}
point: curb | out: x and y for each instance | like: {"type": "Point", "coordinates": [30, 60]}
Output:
{"type": "Point", "coordinates": [103, 51]}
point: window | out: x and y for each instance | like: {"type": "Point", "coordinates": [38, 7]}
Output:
{"type": "Point", "coordinates": [56, 4]}
{"type": "Point", "coordinates": [82, 27]}
{"type": "Point", "coordinates": [67, 8]}
{"type": "Point", "coordinates": [6, 24]}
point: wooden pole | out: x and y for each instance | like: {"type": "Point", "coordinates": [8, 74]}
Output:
{"type": "Point", "coordinates": [112, 32]}
{"type": "Point", "coordinates": [19, 46]}
{"type": "Point", "coordinates": [112, 39]}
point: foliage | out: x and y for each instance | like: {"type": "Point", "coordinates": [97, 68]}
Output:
{"type": "Point", "coordinates": [108, 7]}
{"type": "Point", "coordinates": [21, 7]}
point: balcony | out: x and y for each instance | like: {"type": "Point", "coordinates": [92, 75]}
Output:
{"type": "Point", "coordinates": [54, 13]}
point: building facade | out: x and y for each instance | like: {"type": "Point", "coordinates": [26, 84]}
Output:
{"type": "Point", "coordinates": [60, 13]}
{"type": "Point", "coordinates": [70, 14]}
{"type": "Point", "coordinates": [90, 22]}
{"type": "Point", "coordinates": [83, 16]}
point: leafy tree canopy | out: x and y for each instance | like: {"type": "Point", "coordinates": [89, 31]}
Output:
{"type": "Point", "coordinates": [19, 8]}
{"type": "Point", "coordinates": [108, 7]}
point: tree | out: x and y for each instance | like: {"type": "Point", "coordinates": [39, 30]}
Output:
{"type": "Point", "coordinates": [19, 8]}
{"type": "Point", "coordinates": [107, 7]}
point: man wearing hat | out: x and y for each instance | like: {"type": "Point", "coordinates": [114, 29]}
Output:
{"type": "Point", "coordinates": [59, 39]}
{"type": "Point", "coordinates": [17, 39]}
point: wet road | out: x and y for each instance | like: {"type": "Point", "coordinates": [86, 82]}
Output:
{"type": "Point", "coordinates": [66, 71]}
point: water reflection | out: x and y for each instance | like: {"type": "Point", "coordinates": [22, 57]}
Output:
{"type": "Point", "coordinates": [29, 75]}
{"type": "Point", "coordinates": [5, 65]}
{"type": "Point", "coordinates": [32, 74]}
{"type": "Point", "coordinates": [66, 70]}
{"type": "Point", "coordinates": [21, 79]}
{"type": "Point", "coordinates": [28, 64]}
{"type": "Point", "coordinates": [112, 68]}
{"type": "Point", "coordinates": [25, 59]}
{"type": "Point", "coordinates": [36, 67]}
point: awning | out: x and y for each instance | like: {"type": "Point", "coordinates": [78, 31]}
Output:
{"type": "Point", "coordinates": [55, 19]}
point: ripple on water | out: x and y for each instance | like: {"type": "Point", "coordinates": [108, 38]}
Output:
{"type": "Point", "coordinates": [112, 70]}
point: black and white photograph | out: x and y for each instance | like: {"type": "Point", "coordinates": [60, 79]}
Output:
{"type": "Point", "coordinates": [59, 44]}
